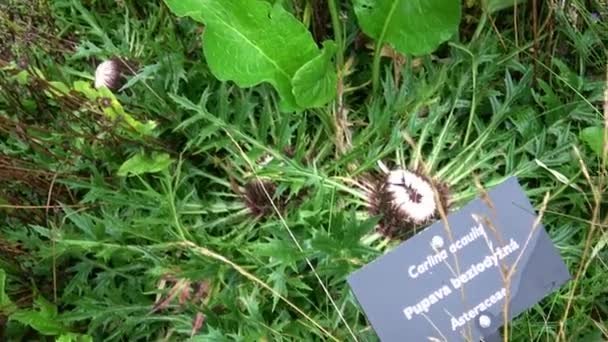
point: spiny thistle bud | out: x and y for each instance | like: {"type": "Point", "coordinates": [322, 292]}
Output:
{"type": "Point", "coordinates": [405, 200]}
{"type": "Point", "coordinates": [111, 73]}
{"type": "Point", "coordinates": [255, 194]}
{"type": "Point", "coordinates": [255, 197]}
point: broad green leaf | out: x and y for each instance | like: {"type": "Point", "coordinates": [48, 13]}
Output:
{"type": "Point", "coordinates": [594, 137]}
{"type": "Point", "coordinates": [414, 27]}
{"type": "Point", "coordinates": [141, 163]}
{"type": "Point", "coordinates": [252, 41]}
{"type": "Point", "coordinates": [496, 5]}
{"type": "Point", "coordinates": [315, 83]}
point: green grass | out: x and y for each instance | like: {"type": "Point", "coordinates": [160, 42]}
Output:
{"type": "Point", "coordinates": [102, 250]}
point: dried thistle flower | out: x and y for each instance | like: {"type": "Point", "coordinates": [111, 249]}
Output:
{"type": "Point", "coordinates": [111, 73]}
{"type": "Point", "coordinates": [255, 197]}
{"type": "Point", "coordinates": [182, 289]}
{"type": "Point", "coordinates": [255, 194]}
{"type": "Point", "coordinates": [405, 200]}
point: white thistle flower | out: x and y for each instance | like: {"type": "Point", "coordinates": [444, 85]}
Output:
{"type": "Point", "coordinates": [110, 74]}
{"type": "Point", "coordinates": [412, 194]}
{"type": "Point", "coordinates": [404, 200]}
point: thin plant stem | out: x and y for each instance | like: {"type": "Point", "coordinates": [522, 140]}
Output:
{"type": "Point", "coordinates": [378, 49]}
{"type": "Point", "coordinates": [376, 66]}
{"type": "Point", "coordinates": [306, 16]}
{"type": "Point", "coordinates": [473, 101]}
{"type": "Point", "coordinates": [337, 26]}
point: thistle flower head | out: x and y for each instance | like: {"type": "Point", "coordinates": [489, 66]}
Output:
{"type": "Point", "coordinates": [405, 200]}
{"type": "Point", "coordinates": [413, 194]}
{"type": "Point", "coordinates": [255, 196]}
{"type": "Point", "coordinates": [111, 74]}
{"type": "Point", "coordinates": [262, 197]}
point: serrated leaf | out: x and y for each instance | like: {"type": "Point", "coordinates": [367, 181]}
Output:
{"type": "Point", "coordinates": [360, 230]}
{"type": "Point", "coordinates": [44, 321]}
{"type": "Point", "coordinates": [252, 41]}
{"type": "Point", "coordinates": [594, 138]}
{"type": "Point", "coordinates": [322, 242]}
{"type": "Point", "coordinates": [279, 251]}
{"type": "Point", "coordinates": [46, 308]}
{"type": "Point", "coordinates": [39, 322]}
{"type": "Point", "coordinates": [315, 83]}
{"type": "Point", "coordinates": [141, 163]}
{"type": "Point", "coordinates": [414, 27]}
{"type": "Point", "coordinates": [279, 284]}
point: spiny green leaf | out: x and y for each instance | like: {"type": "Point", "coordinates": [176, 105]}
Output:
{"type": "Point", "coordinates": [414, 27]}
{"type": "Point", "coordinates": [315, 83]}
{"type": "Point", "coordinates": [252, 41]}
{"type": "Point", "coordinates": [278, 251]}
{"type": "Point", "coordinates": [38, 321]}
{"type": "Point", "coordinates": [141, 163]}
{"type": "Point", "coordinates": [44, 321]}
{"type": "Point", "coordinates": [46, 308]}
{"type": "Point", "coordinates": [359, 230]}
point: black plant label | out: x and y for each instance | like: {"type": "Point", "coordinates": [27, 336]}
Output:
{"type": "Point", "coordinates": [462, 280]}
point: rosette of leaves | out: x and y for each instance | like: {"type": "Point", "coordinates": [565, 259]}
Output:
{"type": "Point", "coordinates": [252, 42]}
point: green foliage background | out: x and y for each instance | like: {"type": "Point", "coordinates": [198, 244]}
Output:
{"type": "Point", "coordinates": [105, 229]}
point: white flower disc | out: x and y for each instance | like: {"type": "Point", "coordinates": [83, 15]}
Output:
{"type": "Point", "coordinates": [106, 74]}
{"type": "Point", "coordinates": [413, 194]}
